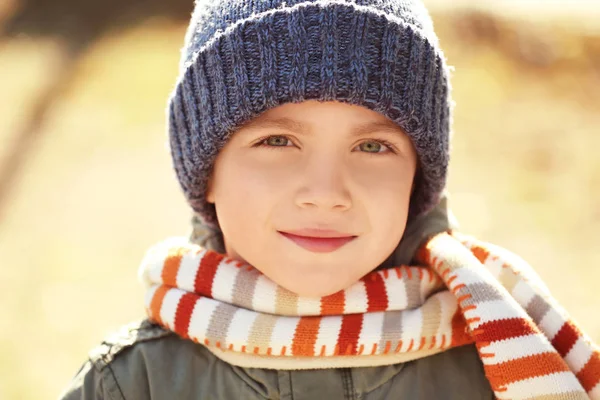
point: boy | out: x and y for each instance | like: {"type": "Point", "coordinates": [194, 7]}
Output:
{"type": "Point", "coordinates": [312, 141]}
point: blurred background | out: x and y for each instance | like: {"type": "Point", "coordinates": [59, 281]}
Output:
{"type": "Point", "coordinates": [86, 183]}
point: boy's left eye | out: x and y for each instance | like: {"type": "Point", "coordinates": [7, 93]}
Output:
{"type": "Point", "coordinates": [371, 147]}
{"type": "Point", "coordinates": [374, 147]}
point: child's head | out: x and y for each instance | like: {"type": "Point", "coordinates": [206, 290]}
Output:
{"type": "Point", "coordinates": [291, 116]}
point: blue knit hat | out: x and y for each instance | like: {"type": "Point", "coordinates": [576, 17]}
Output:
{"type": "Point", "coordinates": [243, 57]}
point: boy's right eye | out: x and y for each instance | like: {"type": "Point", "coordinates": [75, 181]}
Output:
{"type": "Point", "coordinates": [275, 141]}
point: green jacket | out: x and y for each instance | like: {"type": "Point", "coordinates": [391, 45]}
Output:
{"type": "Point", "coordinates": [145, 361]}
{"type": "Point", "coordinates": [148, 362]}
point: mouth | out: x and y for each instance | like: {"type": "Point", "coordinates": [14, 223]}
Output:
{"type": "Point", "coordinates": [318, 241]}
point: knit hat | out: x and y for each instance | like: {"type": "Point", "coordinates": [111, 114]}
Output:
{"type": "Point", "coordinates": [242, 57]}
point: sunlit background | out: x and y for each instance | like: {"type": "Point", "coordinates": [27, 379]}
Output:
{"type": "Point", "coordinates": [86, 182]}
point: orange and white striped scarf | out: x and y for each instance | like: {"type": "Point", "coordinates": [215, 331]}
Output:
{"type": "Point", "coordinates": [464, 291]}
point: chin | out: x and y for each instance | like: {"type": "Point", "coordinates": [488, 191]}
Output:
{"type": "Point", "coordinates": [314, 291]}
{"type": "Point", "coordinates": [315, 279]}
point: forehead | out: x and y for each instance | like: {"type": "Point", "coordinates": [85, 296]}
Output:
{"type": "Point", "coordinates": [304, 118]}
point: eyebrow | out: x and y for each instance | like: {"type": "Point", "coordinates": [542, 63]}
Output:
{"type": "Point", "coordinates": [379, 126]}
{"type": "Point", "coordinates": [281, 123]}
{"type": "Point", "coordinates": [297, 126]}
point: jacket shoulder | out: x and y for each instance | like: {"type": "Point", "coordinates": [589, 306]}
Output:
{"type": "Point", "coordinates": [96, 379]}
{"type": "Point", "coordinates": [125, 337]}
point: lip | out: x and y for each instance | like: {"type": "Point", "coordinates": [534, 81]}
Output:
{"type": "Point", "coordinates": [318, 240]}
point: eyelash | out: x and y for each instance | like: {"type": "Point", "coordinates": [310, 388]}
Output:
{"type": "Point", "coordinates": [262, 143]}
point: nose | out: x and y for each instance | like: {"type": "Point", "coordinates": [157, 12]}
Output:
{"type": "Point", "coordinates": [324, 186]}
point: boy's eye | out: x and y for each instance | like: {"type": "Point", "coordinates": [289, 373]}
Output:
{"type": "Point", "coordinates": [373, 147]}
{"type": "Point", "coordinates": [276, 141]}
{"type": "Point", "coordinates": [370, 146]}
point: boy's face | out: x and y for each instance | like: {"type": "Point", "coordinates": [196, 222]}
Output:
{"type": "Point", "coordinates": [303, 171]}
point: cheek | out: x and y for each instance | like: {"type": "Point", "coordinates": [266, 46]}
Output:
{"type": "Point", "coordinates": [249, 176]}
{"type": "Point", "coordinates": [386, 197]}
{"type": "Point", "coordinates": [386, 183]}
{"type": "Point", "coordinates": [244, 192]}
{"type": "Point", "coordinates": [388, 208]}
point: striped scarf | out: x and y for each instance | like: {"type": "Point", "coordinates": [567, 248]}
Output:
{"type": "Point", "coordinates": [463, 291]}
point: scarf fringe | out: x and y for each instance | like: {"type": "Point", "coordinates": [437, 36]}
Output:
{"type": "Point", "coordinates": [528, 344]}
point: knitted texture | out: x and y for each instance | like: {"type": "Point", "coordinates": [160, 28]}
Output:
{"type": "Point", "coordinates": [241, 58]}
{"type": "Point", "coordinates": [464, 291]}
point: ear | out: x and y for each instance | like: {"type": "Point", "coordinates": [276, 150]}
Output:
{"type": "Point", "coordinates": [210, 197]}
{"type": "Point", "coordinates": [415, 181]}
